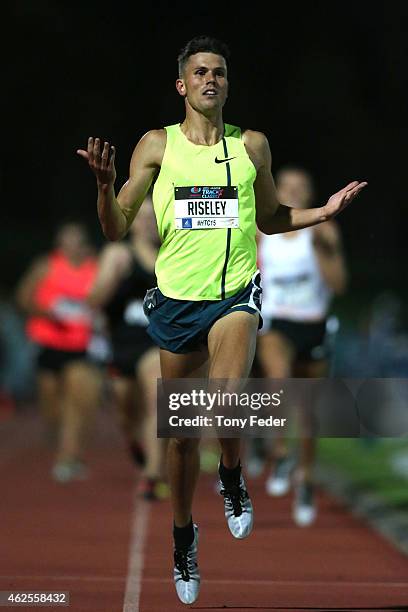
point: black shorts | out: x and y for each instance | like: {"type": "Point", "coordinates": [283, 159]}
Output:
{"type": "Point", "coordinates": [54, 360]}
{"type": "Point", "coordinates": [182, 326]}
{"type": "Point", "coordinates": [309, 339]}
{"type": "Point", "coordinates": [126, 354]}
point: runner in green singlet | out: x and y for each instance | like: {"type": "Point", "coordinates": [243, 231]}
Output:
{"type": "Point", "coordinates": [213, 185]}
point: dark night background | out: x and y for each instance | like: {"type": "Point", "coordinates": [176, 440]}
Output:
{"type": "Point", "coordinates": [327, 83]}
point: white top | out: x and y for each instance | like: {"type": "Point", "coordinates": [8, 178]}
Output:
{"type": "Point", "coordinates": [293, 287]}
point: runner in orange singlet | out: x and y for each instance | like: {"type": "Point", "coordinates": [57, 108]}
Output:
{"type": "Point", "coordinates": [52, 293]}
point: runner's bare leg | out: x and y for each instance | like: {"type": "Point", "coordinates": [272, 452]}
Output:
{"type": "Point", "coordinates": [228, 359]}
{"type": "Point", "coordinates": [183, 459]}
{"type": "Point", "coordinates": [231, 347]}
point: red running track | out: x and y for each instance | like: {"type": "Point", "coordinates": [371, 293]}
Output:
{"type": "Point", "coordinates": [112, 551]}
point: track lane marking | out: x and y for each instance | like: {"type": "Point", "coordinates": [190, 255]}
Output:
{"type": "Point", "coordinates": [140, 521]}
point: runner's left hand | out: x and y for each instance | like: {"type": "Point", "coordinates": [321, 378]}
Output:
{"type": "Point", "coordinates": [338, 201]}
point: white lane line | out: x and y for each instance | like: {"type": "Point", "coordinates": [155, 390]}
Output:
{"type": "Point", "coordinates": [67, 578]}
{"type": "Point", "coordinates": [135, 563]}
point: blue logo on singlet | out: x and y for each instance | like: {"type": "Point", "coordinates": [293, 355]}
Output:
{"type": "Point", "coordinates": [187, 223]}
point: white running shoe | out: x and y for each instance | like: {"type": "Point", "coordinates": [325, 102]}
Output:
{"type": "Point", "coordinates": [65, 471]}
{"type": "Point", "coordinates": [238, 509]}
{"type": "Point", "coordinates": [186, 573]}
{"type": "Point", "coordinates": [278, 483]}
{"type": "Point", "coordinates": [254, 467]}
{"type": "Point", "coordinates": [304, 507]}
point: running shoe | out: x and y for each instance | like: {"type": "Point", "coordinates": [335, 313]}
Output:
{"type": "Point", "coordinates": [304, 507]}
{"type": "Point", "coordinates": [66, 471]}
{"type": "Point", "coordinates": [238, 508]}
{"type": "Point", "coordinates": [254, 467]}
{"type": "Point", "coordinates": [278, 483]}
{"type": "Point", "coordinates": [186, 573]}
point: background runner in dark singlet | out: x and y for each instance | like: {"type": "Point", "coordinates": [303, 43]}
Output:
{"type": "Point", "coordinates": [126, 272]}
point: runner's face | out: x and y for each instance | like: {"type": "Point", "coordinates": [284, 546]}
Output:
{"type": "Point", "coordinates": [294, 189]}
{"type": "Point", "coordinates": [73, 241]}
{"type": "Point", "coordinates": [204, 82]}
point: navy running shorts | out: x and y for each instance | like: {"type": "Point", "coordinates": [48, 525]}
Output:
{"type": "Point", "coordinates": [182, 326]}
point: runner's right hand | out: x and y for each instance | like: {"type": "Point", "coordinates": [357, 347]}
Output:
{"type": "Point", "coordinates": [101, 164]}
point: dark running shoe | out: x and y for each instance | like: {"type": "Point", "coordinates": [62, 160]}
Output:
{"type": "Point", "coordinates": [238, 508]}
{"type": "Point", "coordinates": [186, 573]}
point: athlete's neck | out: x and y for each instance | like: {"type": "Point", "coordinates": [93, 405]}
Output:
{"type": "Point", "coordinates": [75, 260]}
{"type": "Point", "coordinates": [203, 130]}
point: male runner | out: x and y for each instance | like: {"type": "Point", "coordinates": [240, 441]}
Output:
{"type": "Point", "coordinates": [301, 271]}
{"type": "Point", "coordinates": [206, 307]}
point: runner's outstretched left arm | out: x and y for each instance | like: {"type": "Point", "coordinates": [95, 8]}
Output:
{"type": "Point", "coordinates": [272, 217]}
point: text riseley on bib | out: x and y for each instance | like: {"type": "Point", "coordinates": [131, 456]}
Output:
{"type": "Point", "coordinates": [206, 207]}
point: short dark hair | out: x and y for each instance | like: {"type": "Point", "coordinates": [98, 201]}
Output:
{"type": "Point", "coordinates": [69, 223]}
{"type": "Point", "coordinates": [202, 44]}
{"type": "Point", "coordinates": [295, 169]}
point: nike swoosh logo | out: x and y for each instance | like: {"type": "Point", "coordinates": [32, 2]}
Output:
{"type": "Point", "coordinates": [221, 161]}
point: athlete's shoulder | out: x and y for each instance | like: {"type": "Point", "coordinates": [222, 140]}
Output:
{"type": "Point", "coordinates": [255, 139]}
{"type": "Point", "coordinates": [41, 264]}
{"type": "Point", "coordinates": [154, 139]}
{"type": "Point", "coordinates": [328, 231]}
{"type": "Point", "coordinates": [257, 146]}
{"type": "Point", "coordinates": [154, 136]}
{"type": "Point", "coordinates": [327, 238]}
{"type": "Point", "coordinates": [117, 255]}
{"type": "Point", "coordinates": [150, 148]}
{"type": "Point", "coordinates": [36, 272]}
{"type": "Point", "coordinates": [116, 251]}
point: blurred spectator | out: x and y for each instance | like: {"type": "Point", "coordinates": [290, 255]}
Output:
{"type": "Point", "coordinates": [16, 356]}
{"type": "Point", "coordinates": [378, 347]}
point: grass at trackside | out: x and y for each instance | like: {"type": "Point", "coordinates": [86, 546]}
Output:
{"type": "Point", "coordinates": [368, 465]}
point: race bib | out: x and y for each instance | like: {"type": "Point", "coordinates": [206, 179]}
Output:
{"type": "Point", "coordinates": [296, 291]}
{"type": "Point", "coordinates": [206, 207]}
{"type": "Point", "coordinates": [69, 309]}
